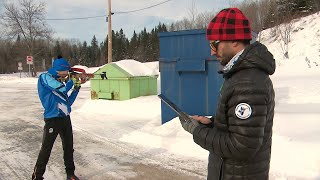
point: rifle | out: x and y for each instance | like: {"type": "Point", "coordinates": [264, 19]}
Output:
{"type": "Point", "coordinates": [81, 74]}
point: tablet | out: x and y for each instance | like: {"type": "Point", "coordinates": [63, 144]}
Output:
{"type": "Point", "coordinates": [174, 107]}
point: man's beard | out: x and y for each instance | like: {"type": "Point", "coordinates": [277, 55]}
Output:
{"type": "Point", "coordinates": [226, 59]}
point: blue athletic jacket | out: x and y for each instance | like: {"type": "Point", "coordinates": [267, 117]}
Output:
{"type": "Point", "coordinates": [53, 95]}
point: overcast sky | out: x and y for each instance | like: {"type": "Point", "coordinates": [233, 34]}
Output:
{"type": "Point", "coordinates": [149, 18]}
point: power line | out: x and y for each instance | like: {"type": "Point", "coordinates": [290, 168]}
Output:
{"type": "Point", "coordinates": [76, 18]}
{"type": "Point", "coordinates": [116, 12]}
{"type": "Point", "coordinates": [142, 8]}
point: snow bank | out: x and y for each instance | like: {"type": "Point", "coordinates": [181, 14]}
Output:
{"type": "Point", "coordinates": [296, 145]}
{"type": "Point", "coordinates": [15, 78]}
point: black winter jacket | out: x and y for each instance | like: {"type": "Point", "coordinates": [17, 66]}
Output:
{"type": "Point", "coordinates": [239, 141]}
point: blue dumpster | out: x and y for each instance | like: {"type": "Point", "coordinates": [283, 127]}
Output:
{"type": "Point", "coordinates": [189, 74]}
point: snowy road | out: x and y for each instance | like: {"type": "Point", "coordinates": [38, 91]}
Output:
{"type": "Point", "coordinates": [96, 157]}
{"type": "Point", "coordinates": [125, 140]}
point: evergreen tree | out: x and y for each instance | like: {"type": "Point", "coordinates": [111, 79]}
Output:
{"type": "Point", "coordinates": [171, 28]}
{"type": "Point", "coordinates": [18, 39]}
{"type": "Point", "coordinates": [104, 52]}
{"type": "Point", "coordinates": [57, 49]}
{"type": "Point", "coordinates": [144, 46]}
{"type": "Point", "coordinates": [115, 46]}
{"type": "Point", "coordinates": [133, 45]}
{"type": "Point", "coordinates": [17, 50]}
{"type": "Point", "coordinates": [154, 45]}
{"type": "Point", "coordinates": [294, 8]}
{"type": "Point", "coordinates": [122, 45]}
{"type": "Point", "coordinates": [163, 28]}
{"type": "Point", "coordinates": [302, 6]}
{"type": "Point", "coordinates": [94, 52]}
{"type": "Point", "coordinates": [83, 60]}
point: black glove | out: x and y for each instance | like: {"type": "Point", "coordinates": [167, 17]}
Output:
{"type": "Point", "coordinates": [188, 124]}
{"type": "Point", "coordinates": [77, 88]}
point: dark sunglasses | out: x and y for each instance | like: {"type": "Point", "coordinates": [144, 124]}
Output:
{"type": "Point", "coordinates": [214, 45]}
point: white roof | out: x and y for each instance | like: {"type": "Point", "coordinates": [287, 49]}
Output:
{"type": "Point", "coordinates": [136, 68]}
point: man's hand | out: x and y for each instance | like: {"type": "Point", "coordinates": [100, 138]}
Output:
{"type": "Point", "coordinates": [188, 124]}
{"type": "Point", "coordinates": [202, 119]}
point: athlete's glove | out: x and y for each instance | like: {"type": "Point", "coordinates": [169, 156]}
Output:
{"type": "Point", "coordinates": [76, 83]}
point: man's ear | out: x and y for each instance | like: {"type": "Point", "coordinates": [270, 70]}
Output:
{"type": "Point", "coordinates": [235, 43]}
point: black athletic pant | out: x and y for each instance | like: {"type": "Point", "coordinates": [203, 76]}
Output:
{"type": "Point", "coordinates": [53, 127]}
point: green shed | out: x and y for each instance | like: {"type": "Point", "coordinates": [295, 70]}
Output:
{"type": "Point", "coordinates": [123, 80]}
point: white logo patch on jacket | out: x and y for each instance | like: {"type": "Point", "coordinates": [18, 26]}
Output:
{"type": "Point", "coordinates": [51, 130]}
{"type": "Point", "coordinates": [243, 111]}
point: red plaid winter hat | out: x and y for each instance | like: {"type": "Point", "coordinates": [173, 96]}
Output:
{"type": "Point", "coordinates": [229, 24]}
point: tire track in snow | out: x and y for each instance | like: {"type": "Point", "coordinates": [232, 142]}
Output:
{"type": "Point", "coordinates": [145, 156]}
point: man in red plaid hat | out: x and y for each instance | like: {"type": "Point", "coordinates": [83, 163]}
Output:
{"type": "Point", "coordinates": [239, 135]}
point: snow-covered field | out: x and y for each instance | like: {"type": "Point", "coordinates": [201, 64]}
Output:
{"type": "Point", "coordinates": [296, 132]}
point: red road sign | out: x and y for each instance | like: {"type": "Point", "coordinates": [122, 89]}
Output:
{"type": "Point", "coordinates": [29, 60]}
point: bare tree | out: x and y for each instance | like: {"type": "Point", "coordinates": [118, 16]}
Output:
{"type": "Point", "coordinates": [199, 21]}
{"type": "Point", "coordinates": [203, 19]}
{"type": "Point", "coordinates": [283, 32]}
{"type": "Point", "coordinates": [232, 3]}
{"type": "Point", "coordinates": [27, 20]}
{"type": "Point", "coordinates": [192, 12]}
{"type": "Point", "coordinates": [261, 13]}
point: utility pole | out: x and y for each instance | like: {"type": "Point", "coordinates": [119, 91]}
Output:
{"type": "Point", "coordinates": [109, 33]}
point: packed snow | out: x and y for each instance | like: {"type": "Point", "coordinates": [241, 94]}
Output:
{"type": "Point", "coordinates": [136, 68]}
{"type": "Point", "coordinates": [296, 132]}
